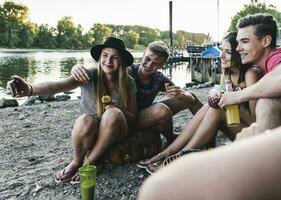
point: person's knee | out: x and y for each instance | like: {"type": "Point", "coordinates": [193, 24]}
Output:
{"type": "Point", "coordinates": [84, 125]}
{"type": "Point", "coordinates": [163, 112]}
{"type": "Point", "coordinates": [193, 103]}
{"type": "Point", "coordinates": [188, 97]}
{"type": "Point", "coordinates": [113, 117]}
{"type": "Point", "coordinates": [186, 100]}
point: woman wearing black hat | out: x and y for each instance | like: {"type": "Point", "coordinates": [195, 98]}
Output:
{"type": "Point", "coordinates": [101, 124]}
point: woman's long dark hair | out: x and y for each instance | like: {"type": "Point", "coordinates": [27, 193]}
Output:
{"type": "Point", "coordinates": [235, 57]}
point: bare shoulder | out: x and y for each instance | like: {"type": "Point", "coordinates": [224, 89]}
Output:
{"type": "Point", "coordinates": [253, 75]}
{"type": "Point", "coordinates": [254, 72]}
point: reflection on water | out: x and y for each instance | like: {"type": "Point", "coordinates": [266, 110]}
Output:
{"type": "Point", "coordinates": [10, 66]}
{"type": "Point", "coordinates": [66, 65]}
{"type": "Point", "coordinates": [41, 66]}
{"type": "Point", "coordinates": [179, 73]}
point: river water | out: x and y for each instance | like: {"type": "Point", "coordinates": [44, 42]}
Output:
{"type": "Point", "coordinates": [37, 66]}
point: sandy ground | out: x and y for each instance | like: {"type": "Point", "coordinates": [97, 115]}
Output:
{"type": "Point", "coordinates": [36, 143]}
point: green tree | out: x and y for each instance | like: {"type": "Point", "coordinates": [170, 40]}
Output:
{"type": "Point", "coordinates": [99, 32]}
{"type": "Point", "coordinates": [255, 7]}
{"type": "Point", "coordinates": [147, 35]}
{"type": "Point", "coordinates": [165, 36]}
{"type": "Point", "coordinates": [181, 38]}
{"type": "Point", "coordinates": [86, 41]}
{"type": "Point", "coordinates": [67, 34]}
{"type": "Point", "coordinates": [17, 31]}
{"type": "Point", "coordinates": [131, 39]}
{"type": "Point", "coordinates": [45, 37]}
{"type": "Point", "coordinates": [15, 28]}
{"type": "Point", "coordinates": [26, 35]}
{"type": "Point", "coordinates": [117, 30]}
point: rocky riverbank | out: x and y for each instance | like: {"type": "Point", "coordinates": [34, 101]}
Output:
{"type": "Point", "coordinates": [36, 143]}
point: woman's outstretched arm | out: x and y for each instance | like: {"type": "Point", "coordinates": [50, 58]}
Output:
{"type": "Point", "coordinates": [44, 88]}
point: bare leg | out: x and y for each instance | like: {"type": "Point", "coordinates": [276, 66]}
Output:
{"type": "Point", "coordinates": [187, 133]}
{"type": "Point", "coordinates": [113, 128]}
{"type": "Point", "coordinates": [183, 102]}
{"type": "Point", "coordinates": [166, 129]}
{"type": "Point", "coordinates": [213, 121]}
{"type": "Point", "coordinates": [161, 113]}
{"type": "Point", "coordinates": [153, 115]}
{"type": "Point", "coordinates": [268, 116]}
{"type": "Point", "coordinates": [208, 128]}
{"type": "Point", "coordinates": [177, 104]}
{"type": "Point", "coordinates": [185, 136]}
{"type": "Point", "coordinates": [236, 171]}
{"type": "Point", "coordinates": [83, 137]}
{"type": "Point", "coordinates": [201, 130]}
{"type": "Point", "coordinates": [268, 113]}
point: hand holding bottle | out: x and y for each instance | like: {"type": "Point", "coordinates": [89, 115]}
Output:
{"type": "Point", "coordinates": [173, 90]}
{"type": "Point", "coordinates": [232, 111]}
{"type": "Point", "coordinates": [214, 96]}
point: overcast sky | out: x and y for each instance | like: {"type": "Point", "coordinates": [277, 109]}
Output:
{"type": "Point", "coordinates": [188, 15]}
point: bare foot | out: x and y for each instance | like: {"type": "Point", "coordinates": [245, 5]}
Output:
{"type": "Point", "coordinates": [67, 173]}
{"type": "Point", "coordinates": [158, 158]}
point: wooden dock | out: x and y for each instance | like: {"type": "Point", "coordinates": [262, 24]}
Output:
{"type": "Point", "coordinates": [203, 69]}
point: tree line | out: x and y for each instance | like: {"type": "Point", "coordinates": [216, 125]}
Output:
{"type": "Point", "coordinates": [17, 31]}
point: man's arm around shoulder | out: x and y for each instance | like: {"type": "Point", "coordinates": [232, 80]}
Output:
{"type": "Point", "coordinates": [267, 87]}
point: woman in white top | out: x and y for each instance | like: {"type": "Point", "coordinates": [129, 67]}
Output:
{"type": "Point", "coordinates": [100, 125]}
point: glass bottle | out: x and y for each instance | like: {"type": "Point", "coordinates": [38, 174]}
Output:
{"type": "Point", "coordinates": [214, 96]}
{"type": "Point", "coordinates": [232, 111]}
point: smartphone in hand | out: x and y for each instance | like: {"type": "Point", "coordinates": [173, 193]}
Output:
{"type": "Point", "coordinates": [167, 86]}
{"type": "Point", "coordinates": [12, 85]}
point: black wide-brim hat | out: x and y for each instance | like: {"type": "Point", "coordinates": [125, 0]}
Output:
{"type": "Point", "coordinates": [127, 57]}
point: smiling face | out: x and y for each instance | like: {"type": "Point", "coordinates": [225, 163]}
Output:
{"type": "Point", "coordinates": [250, 47]}
{"type": "Point", "coordinates": [151, 62]}
{"type": "Point", "coordinates": [225, 54]}
{"type": "Point", "coordinates": [110, 60]}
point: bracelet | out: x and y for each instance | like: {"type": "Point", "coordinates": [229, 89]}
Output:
{"type": "Point", "coordinates": [31, 91]}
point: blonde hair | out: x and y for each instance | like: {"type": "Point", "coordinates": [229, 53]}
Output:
{"type": "Point", "coordinates": [122, 85]}
{"type": "Point", "coordinates": [160, 48]}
